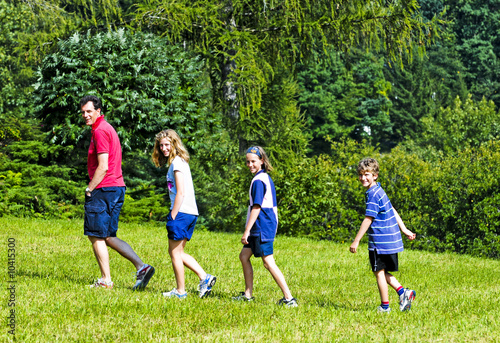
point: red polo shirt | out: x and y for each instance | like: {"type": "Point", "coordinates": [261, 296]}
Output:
{"type": "Point", "coordinates": [105, 140]}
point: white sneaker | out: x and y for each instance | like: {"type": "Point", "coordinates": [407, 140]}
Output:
{"type": "Point", "coordinates": [100, 283]}
{"type": "Point", "coordinates": [174, 294]}
{"type": "Point", "coordinates": [205, 286]}
{"type": "Point", "coordinates": [383, 310]}
{"type": "Point", "coordinates": [406, 298]}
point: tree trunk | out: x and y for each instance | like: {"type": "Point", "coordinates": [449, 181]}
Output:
{"type": "Point", "coordinates": [229, 92]}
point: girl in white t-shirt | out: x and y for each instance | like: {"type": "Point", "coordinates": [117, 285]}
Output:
{"type": "Point", "coordinates": [181, 220]}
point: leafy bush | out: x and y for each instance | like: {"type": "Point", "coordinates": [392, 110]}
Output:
{"type": "Point", "coordinates": [451, 203]}
{"type": "Point", "coordinates": [320, 196]}
{"type": "Point", "coordinates": [464, 124]}
{"type": "Point", "coordinates": [146, 84]}
{"type": "Point", "coordinates": [32, 189]}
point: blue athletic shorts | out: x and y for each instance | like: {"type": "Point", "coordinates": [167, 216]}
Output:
{"type": "Point", "coordinates": [258, 247]}
{"type": "Point", "coordinates": [388, 262]}
{"type": "Point", "coordinates": [102, 211]}
{"type": "Point", "coordinates": [182, 227]}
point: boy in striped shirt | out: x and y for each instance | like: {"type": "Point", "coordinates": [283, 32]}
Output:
{"type": "Point", "coordinates": [383, 224]}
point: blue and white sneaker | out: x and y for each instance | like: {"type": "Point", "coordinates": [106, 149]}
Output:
{"type": "Point", "coordinates": [406, 298]}
{"type": "Point", "coordinates": [175, 294]}
{"type": "Point", "coordinates": [205, 286]}
{"type": "Point", "coordinates": [383, 310]}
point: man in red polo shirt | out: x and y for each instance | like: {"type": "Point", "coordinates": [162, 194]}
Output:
{"type": "Point", "coordinates": [105, 195]}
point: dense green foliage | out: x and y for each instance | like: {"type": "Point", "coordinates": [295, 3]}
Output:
{"type": "Point", "coordinates": [466, 124]}
{"type": "Point", "coordinates": [145, 83]}
{"type": "Point", "coordinates": [32, 185]}
{"type": "Point", "coordinates": [341, 102]}
{"type": "Point", "coordinates": [256, 37]}
{"type": "Point", "coordinates": [476, 26]}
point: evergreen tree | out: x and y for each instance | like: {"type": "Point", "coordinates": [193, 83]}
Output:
{"type": "Point", "coordinates": [246, 42]}
{"type": "Point", "coordinates": [341, 102]}
{"type": "Point", "coordinates": [476, 24]}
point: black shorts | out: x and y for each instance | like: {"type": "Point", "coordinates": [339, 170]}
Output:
{"type": "Point", "coordinates": [388, 262]}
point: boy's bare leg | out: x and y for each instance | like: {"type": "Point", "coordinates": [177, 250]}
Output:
{"type": "Point", "coordinates": [382, 285]}
{"type": "Point", "coordinates": [191, 263]}
{"type": "Point", "coordinates": [125, 250]}
{"type": "Point", "coordinates": [102, 256]}
{"type": "Point", "coordinates": [270, 265]}
{"type": "Point", "coordinates": [175, 250]}
{"type": "Point", "coordinates": [392, 281]}
{"type": "Point", "coordinates": [245, 255]}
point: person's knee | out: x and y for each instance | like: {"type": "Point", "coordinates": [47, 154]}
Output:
{"type": "Point", "coordinates": [112, 242]}
{"type": "Point", "coordinates": [268, 262]}
{"type": "Point", "coordinates": [266, 265]}
{"type": "Point", "coordinates": [244, 257]}
{"type": "Point", "coordinates": [175, 250]}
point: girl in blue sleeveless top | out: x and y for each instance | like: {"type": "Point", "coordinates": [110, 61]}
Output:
{"type": "Point", "coordinates": [261, 226]}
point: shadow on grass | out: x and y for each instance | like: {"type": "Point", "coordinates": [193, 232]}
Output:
{"type": "Point", "coordinates": [72, 278]}
{"type": "Point", "coordinates": [330, 304]}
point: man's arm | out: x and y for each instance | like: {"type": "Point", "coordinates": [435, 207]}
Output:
{"type": "Point", "coordinates": [100, 172]}
{"type": "Point", "coordinates": [365, 225]}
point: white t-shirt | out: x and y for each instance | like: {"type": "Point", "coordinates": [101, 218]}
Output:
{"type": "Point", "coordinates": [188, 206]}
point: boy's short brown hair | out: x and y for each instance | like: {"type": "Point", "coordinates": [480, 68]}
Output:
{"type": "Point", "coordinates": [368, 165]}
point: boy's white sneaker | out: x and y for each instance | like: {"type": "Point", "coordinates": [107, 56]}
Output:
{"type": "Point", "coordinates": [383, 310]}
{"type": "Point", "coordinates": [406, 298]}
{"type": "Point", "coordinates": [100, 283]}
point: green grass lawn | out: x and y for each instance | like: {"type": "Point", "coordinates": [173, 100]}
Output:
{"type": "Point", "coordinates": [457, 296]}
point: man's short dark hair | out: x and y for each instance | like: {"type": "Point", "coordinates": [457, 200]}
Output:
{"type": "Point", "coordinates": [95, 100]}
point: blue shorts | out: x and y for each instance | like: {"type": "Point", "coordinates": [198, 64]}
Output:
{"type": "Point", "coordinates": [102, 211]}
{"type": "Point", "coordinates": [258, 247]}
{"type": "Point", "coordinates": [182, 227]}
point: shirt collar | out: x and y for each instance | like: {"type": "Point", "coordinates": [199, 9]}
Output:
{"type": "Point", "coordinates": [97, 122]}
{"type": "Point", "coordinates": [373, 188]}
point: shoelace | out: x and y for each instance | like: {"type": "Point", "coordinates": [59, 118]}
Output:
{"type": "Point", "coordinates": [136, 274]}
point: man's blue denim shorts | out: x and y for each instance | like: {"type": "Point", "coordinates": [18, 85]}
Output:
{"type": "Point", "coordinates": [259, 249]}
{"type": "Point", "coordinates": [182, 227]}
{"type": "Point", "coordinates": [102, 211]}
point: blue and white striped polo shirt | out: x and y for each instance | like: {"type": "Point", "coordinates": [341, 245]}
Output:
{"type": "Point", "coordinates": [384, 234]}
{"type": "Point", "coordinates": [263, 193]}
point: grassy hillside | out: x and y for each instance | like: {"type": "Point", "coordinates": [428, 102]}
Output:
{"type": "Point", "coordinates": [457, 296]}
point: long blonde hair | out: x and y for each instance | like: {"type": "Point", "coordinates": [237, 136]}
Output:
{"type": "Point", "coordinates": [177, 148]}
